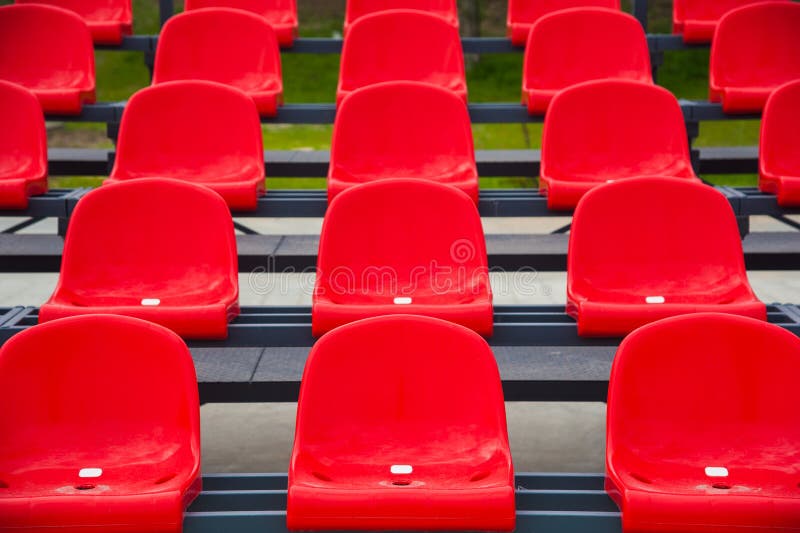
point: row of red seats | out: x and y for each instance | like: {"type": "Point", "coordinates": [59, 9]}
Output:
{"type": "Point", "coordinates": [702, 423]}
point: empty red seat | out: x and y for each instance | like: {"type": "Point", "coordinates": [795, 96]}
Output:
{"type": "Point", "coordinates": [779, 162]}
{"type": "Point", "coordinates": [101, 430]}
{"type": "Point", "coordinates": [576, 45]}
{"type": "Point", "coordinates": [108, 20]}
{"type": "Point", "coordinates": [522, 14]}
{"type": "Point", "coordinates": [172, 130]}
{"type": "Point", "coordinates": [229, 46]}
{"type": "Point", "coordinates": [23, 147]}
{"type": "Point", "coordinates": [753, 53]}
{"type": "Point", "coordinates": [426, 133]}
{"type": "Point", "coordinates": [53, 55]}
{"type": "Point", "coordinates": [402, 246]}
{"type": "Point", "coordinates": [281, 14]}
{"type": "Point", "coordinates": [703, 427]}
{"type": "Point", "coordinates": [358, 8]}
{"type": "Point", "coordinates": [645, 249]}
{"type": "Point", "coordinates": [602, 131]}
{"type": "Point", "coordinates": [401, 425]}
{"type": "Point", "coordinates": [160, 250]}
{"type": "Point", "coordinates": [379, 47]}
{"type": "Point", "coordinates": [696, 20]}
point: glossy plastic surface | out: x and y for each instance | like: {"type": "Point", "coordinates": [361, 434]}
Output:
{"type": "Point", "coordinates": [602, 131]}
{"type": "Point", "coordinates": [402, 246]}
{"type": "Point", "coordinates": [108, 20]}
{"type": "Point", "coordinates": [171, 130]}
{"type": "Point", "coordinates": [103, 429]}
{"type": "Point", "coordinates": [379, 48]}
{"type": "Point", "coordinates": [23, 147]}
{"type": "Point", "coordinates": [522, 14]}
{"type": "Point", "coordinates": [425, 133]}
{"type": "Point", "coordinates": [779, 162]}
{"type": "Point", "coordinates": [53, 56]}
{"type": "Point", "coordinates": [160, 250]}
{"type": "Point", "coordinates": [401, 425]}
{"type": "Point", "coordinates": [281, 14]}
{"type": "Point", "coordinates": [697, 19]}
{"type": "Point", "coordinates": [576, 45]}
{"type": "Point", "coordinates": [229, 46]}
{"type": "Point", "coordinates": [645, 249]}
{"type": "Point", "coordinates": [753, 53]}
{"type": "Point", "coordinates": [358, 8]}
{"type": "Point", "coordinates": [694, 398]}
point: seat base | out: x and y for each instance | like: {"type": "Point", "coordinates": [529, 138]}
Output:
{"type": "Point", "coordinates": [537, 100]}
{"type": "Point", "coordinates": [564, 195]}
{"type": "Point", "coordinates": [239, 195]}
{"type": "Point", "coordinates": [695, 31]}
{"type": "Point", "coordinates": [785, 188]}
{"type": "Point", "coordinates": [470, 186]}
{"type": "Point", "coordinates": [518, 33]}
{"type": "Point", "coordinates": [110, 33]}
{"type": "Point", "coordinates": [14, 193]}
{"type": "Point", "coordinates": [741, 101]}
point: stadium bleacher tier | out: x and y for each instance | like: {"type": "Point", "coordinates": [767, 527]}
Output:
{"type": "Point", "coordinates": [229, 46]}
{"type": "Point", "coordinates": [160, 250]}
{"type": "Point", "coordinates": [53, 55]}
{"type": "Point", "coordinates": [377, 48]}
{"type": "Point", "coordinates": [696, 20]}
{"type": "Point", "coordinates": [371, 259]}
{"type": "Point", "coordinates": [430, 137]}
{"type": "Point", "coordinates": [23, 147]}
{"type": "Point", "coordinates": [703, 427]}
{"type": "Point", "coordinates": [523, 14]}
{"type": "Point", "coordinates": [582, 44]}
{"type": "Point", "coordinates": [281, 14]}
{"type": "Point", "coordinates": [108, 438]}
{"type": "Point", "coordinates": [163, 133]}
{"type": "Point", "coordinates": [754, 52]}
{"type": "Point", "coordinates": [355, 9]}
{"type": "Point", "coordinates": [426, 443]}
{"type": "Point", "coordinates": [780, 138]}
{"type": "Point", "coordinates": [648, 248]}
{"type": "Point", "coordinates": [108, 20]}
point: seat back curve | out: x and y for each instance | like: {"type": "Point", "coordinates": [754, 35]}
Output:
{"type": "Point", "coordinates": [779, 160]}
{"type": "Point", "coordinates": [697, 19]}
{"type": "Point", "coordinates": [522, 14]}
{"type": "Point", "coordinates": [108, 20]}
{"type": "Point", "coordinates": [358, 8]}
{"type": "Point", "coordinates": [281, 14]}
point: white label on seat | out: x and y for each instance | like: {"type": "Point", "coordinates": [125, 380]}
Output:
{"type": "Point", "coordinates": [402, 300]}
{"type": "Point", "coordinates": [716, 471]}
{"type": "Point", "coordinates": [90, 472]}
{"type": "Point", "coordinates": [151, 301]}
{"type": "Point", "coordinates": [610, 181]}
{"type": "Point", "coordinates": [654, 299]}
{"type": "Point", "coordinates": [401, 469]}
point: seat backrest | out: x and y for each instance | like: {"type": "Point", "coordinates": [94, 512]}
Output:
{"type": "Point", "coordinates": [619, 128]}
{"type": "Point", "coordinates": [424, 129]}
{"type": "Point", "coordinates": [150, 233]}
{"type": "Point", "coordinates": [23, 139]}
{"type": "Point", "coordinates": [660, 232]}
{"type": "Point", "coordinates": [707, 10]}
{"type": "Point", "coordinates": [90, 10]}
{"type": "Point", "coordinates": [272, 10]}
{"type": "Point", "coordinates": [402, 45]}
{"type": "Point", "coordinates": [178, 128]}
{"type": "Point", "coordinates": [780, 134]}
{"type": "Point", "coordinates": [756, 45]}
{"type": "Point", "coordinates": [529, 11]}
{"type": "Point", "coordinates": [358, 8]}
{"type": "Point", "coordinates": [393, 235]}
{"type": "Point", "coordinates": [711, 384]}
{"type": "Point", "coordinates": [409, 378]}
{"type": "Point", "coordinates": [49, 45]}
{"type": "Point", "coordinates": [217, 44]}
{"type": "Point", "coordinates": [575, 45]}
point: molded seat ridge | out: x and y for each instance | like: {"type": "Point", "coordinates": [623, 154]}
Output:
{"type": "Point", "coordinates": [522, 14]}
{"type": "Point", "coordinates": [358, 8]}
{"type": "Point", "coordinates": [108, 20]}
{"type": "Point", "coordinates": [281, 14]}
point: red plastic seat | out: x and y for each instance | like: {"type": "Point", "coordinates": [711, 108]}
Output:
{"type": "Point", "coordinates": [229, 46]}
{"type": "Point", "coordinates": [426, 133]}
{"type": "Point", "coordinates": [522, 14]}
{"type": "Point", "coordinates": [780, 137]}
{"type": "Point", "coordinates": [402, 246]}
{"type": "Point", "coordinates": [582, 44]}
{"type": "Point", "coordinates": [697, 19]}
{"type": "Point", "coordinates": [101, 430]}
{"type": "Point", "coordinates": [23, 147]}
{"type": "Point", "coordinates": [108, 20]}
{"type": "Point", "coordinates": [53, 55]}
{"type": "Point", "coordinates": [378, 48]}
{"type": "Point", "coordinates": [753, 53]}
{"type": "Point", "coordinates": [170, 130]}
{"type": "Point", "coordinates": [401, 425]}
{"type": "Point", "coordinates": [160, 250]}
{"type": "Point", "coordinates": [602, 131]}
{"type": "Point", "coordinates": [703, 427]}
{"type": "Point", "coordinates": [281, 14]}
{"type": "Point", "coordinates": [358, 8]}
{"type": "Point", "coordinates": [645, 249]}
